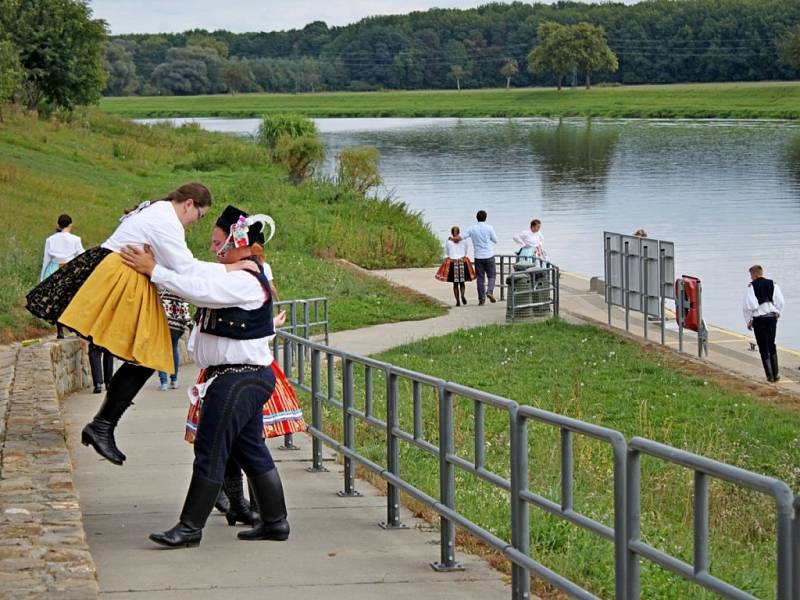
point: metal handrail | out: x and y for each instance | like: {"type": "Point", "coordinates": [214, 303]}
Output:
{"type": "Point", "coordinates": [625, 533]}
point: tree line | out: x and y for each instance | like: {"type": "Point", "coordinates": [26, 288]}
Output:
{"type": "Point", "coordinates": [655, 41]}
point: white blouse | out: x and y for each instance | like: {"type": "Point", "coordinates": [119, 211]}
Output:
{"type": "Point", "coordinates": [456, 250]}
{"type": "Point", "coordinates": [236, 288]}
{"type": "Point", "coordinates": [158, 226]}
{"type": "Point", "coordinates": [60, 247]}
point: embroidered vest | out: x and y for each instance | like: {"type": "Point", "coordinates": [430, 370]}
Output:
{"type": "Point", "coordinates": [763, 289]}
{"type": "Point", "coordinates": [238, 323]}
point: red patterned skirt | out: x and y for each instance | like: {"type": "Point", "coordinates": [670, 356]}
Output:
{"type": "Point", "coordinates": [456, 270]}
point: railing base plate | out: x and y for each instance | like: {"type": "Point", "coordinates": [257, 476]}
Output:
{"type": "Point", "coordinates": [385, 525]}
{"type": "Point", "coordinates": [316, 470]}
{"type": "Point", "coordinates": [353, 494]}
{"type": "Point", "coordinates": [444, 568]}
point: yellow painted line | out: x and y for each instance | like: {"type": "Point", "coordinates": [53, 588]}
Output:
{"type": "Point", "coordinates": [786, 381]}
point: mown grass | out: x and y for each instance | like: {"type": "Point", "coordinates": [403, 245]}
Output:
{"type": "Point", "coordinates": [96, 165]}
{"type": "Point", "coordinates": [601, 378]}
{"type": "Point", "coordinates": [762, 100]}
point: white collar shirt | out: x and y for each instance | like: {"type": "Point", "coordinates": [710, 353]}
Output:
{"type": "Point", "coordinates": [237, 288]}
{"type": "Point", "coordinates": [60, 247]}
{"type": "Point", "coordinates": [158, 226]}
{"type": "Point", "coordinates": [751, 308]}
{"type": "Point", "coordinates": [456, 249]}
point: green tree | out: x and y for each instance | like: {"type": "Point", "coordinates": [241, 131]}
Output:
{"type": "Point", "coordinates": [200, 40]}
{"type": "Point", "coordinates": [457, 72]}
{"type": "Point", "coordinates": [789, 48]}
{"type": "Point", "coordinates": [60, 48]}
{"type": "Point", "coordinates": [508, 70]}
{"type": "Point", "coordinates": [300, 155]}
{"type": "Point", "coordinates": [552, 52]}
{"type": "Point", "coordinates": [181, 77]}
{"type": "Point", "coordinates": [359, 169]}
{"type": "Point", "coordinates": [238, 77]}
{"type": "Point", "coordinates": [118, 63]}
{"type": "Point", "coordinates": [591, 51]}
{"type": "Point", "coordinates": [10, 74]}
{"type": "Point", "coordinates": [456, 56]}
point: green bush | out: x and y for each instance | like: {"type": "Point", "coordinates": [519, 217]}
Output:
{"type": "Point", "coordinates": [300, 155]}
{"type": "Point", "coordinates": [274, 127]}
{"type": "Point", "coordinates": [358, 169]}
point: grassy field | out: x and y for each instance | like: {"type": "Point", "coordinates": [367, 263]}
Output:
{"type": "Point", "coordinates": [762, 100]}
{"type": "Point", "coordinates": [598, 377]}
{"type": "Point", "coordinates": [96, 165]}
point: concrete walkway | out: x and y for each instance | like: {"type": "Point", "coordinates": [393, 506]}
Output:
{"type": "Point", "coordinates": [336, 549]}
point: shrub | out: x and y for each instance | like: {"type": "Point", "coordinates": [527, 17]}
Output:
{"type": "Point", "coordinates": [273, 127]}
{"type": "Point", "coordinates": [358, 169]}
{"type": "Point", "coordinates": [300, 155]}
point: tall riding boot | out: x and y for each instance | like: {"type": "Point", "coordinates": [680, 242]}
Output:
{"type": "Point", "coordinates": [239, 508]}
{"type": "Point", "coordinates": [125, 384]}
{"type": "Point", "coordinates": [776, 375]}
{"type": "Point", "coordinates": [100, 432]}
{"type": "Point", "coordinates": [222, 503]}
{"type": "Point", "coordinates": [189, 530]}
{"type": "Point", "coordinates": [272, 504]}
{"type": "Point", "coordinates": [767, 362]}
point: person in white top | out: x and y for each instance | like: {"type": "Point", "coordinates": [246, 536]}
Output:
{"type": "Point", "coordinates": [456, 267]}
{"type": "Point", "coordinates": [59, 249]}
{"type": "Point", "coordinates": [230, 341]}
{"type": "Point", "coordinates": [761, 308]}
{"type": "Point", "coordinates": [531, 241]}
{"type": "Point", "coordinates": [118, 309]}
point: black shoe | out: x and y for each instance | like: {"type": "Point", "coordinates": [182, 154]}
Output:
{"type": "Point", "coordinates": [481, 302]}
{"type": "Point", "coordinates": [776, 375]}
{"type": "Point", "coordinates": [491, 298]}
{"type": "Point", "coordinates": [239, 509]}
{"type": "Point", "coordinates": [198, 505]}
{"type": "Point", "coordinates": [268, 492]}
{"type": "Point", "coordinates": [100, 435]}
{"type": "Point", "coordinates": [222, 504]}
{"type": "Point", "coordinates": [463, 300]}
{"type": "Point", "coordinates": [767, 362]}
{"type": "Point", "coordinates": [98, 389]}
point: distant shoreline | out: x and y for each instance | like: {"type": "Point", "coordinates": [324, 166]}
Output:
{"type": "Point", "coordinates": [749, 100]}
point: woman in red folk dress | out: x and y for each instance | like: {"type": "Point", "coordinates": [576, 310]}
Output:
{"type": "Point", "coordinates": [456, 267]}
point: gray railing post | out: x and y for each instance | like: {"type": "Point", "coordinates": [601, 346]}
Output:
{"type": "Point", "coordinates": [796, 550]}
{"type": "Point", "coordinates": [447, 485]}
{"type": "Point", "coordinates": [392, 454]}
{"type": "Point", "coordinates": [633, 525]}
{"type": "Point", "coordinates": [348, 428]}
{"type": "Point", "coordinates": [316, 410]}
{"type": "Point", "coordinates": [520, 519]}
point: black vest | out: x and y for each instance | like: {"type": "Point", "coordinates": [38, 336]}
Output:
{"type": "Point", "coordinates": [763, 289]}
{"type": "Point", "coordinates": [238, 323]}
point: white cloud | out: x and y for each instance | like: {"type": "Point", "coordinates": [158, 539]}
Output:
{"type": "Point", "coordinates": [163, 16]}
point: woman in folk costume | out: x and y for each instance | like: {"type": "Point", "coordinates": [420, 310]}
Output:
{"type": "Point", "coordinates": [118, 309]}
{"type": "Point", "coordinates": [456, 268]}
{"type": "Point", "coordinates": [230, 342]}
{"type": "Point", "coordinates": [59, 249]}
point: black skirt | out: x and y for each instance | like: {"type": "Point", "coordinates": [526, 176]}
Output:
{"type": "Point", "coordinates": [50, 298]}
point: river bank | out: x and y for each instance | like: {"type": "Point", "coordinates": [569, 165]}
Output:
{"type": "Point", "coordinates": [756, 100]}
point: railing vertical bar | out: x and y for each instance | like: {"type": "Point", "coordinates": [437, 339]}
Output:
{"type": "Point", "coordinates": [417, 410]}
{"type": "Point", "coordinates": [368, 390]}
{"type": "Point", "coordinates": [480, 436]}
{"type": "Point", "coordinates": [566, 469]}
{"type": "Point", "coordinates": [701, 562]}
{"type": "Point", "coordinates": [348, 427]}
{"type": "Point", "coordinates": [447, 483]}
{"type": "Point", "coordinates": [633, 526]}
{"type": "Point", "coordinates": [392, 453]}
{"type": "Point", "coordinates": [316, 409]}
{"type": "Point", "coordinates": [520, 519]}
{"type": "Point", "coordinates": [331, 377]}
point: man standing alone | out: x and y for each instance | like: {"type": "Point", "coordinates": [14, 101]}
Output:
{"type": "Point", "coordinates": [763, 303]}
{"type": "Point", "coordinates": [483, 239]}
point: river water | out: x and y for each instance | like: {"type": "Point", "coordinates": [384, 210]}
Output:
{"type": "Point", "coordinates": [727, 192]}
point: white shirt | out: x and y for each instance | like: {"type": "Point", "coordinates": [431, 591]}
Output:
{"type": "Point", "coordinates": [158, 226]}
{"type": "Point", "coordinates": [236, 288]}
{"type": "Point", "coordinates": [529, 239]}
{"type": "Point", "coordinates": [751, 308]}
{"type": "Point", "coordinates": [456, 250]}
{"type": "Point", "coordinates": [60, 247]}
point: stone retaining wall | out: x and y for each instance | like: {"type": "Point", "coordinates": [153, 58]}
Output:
{"type": "Point", "coordinates": [43, 548]}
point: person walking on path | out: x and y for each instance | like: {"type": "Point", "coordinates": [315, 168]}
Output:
{"type": "Point", "coordinates": [118, 309]}
{"type": "Point", "coordinates": [763, 303]}
{"type": "Point", "coordinates": [483, 240]}
{"type": "Point", "coordinates": [531, 241]}
{"type": "Point", "coordinates": [456, 267]}
{"type": "Point", "coordinates": [231, 342]}
{"type": "Point", "coordinates": [178, 318]}
{"type": "Point", "coordinates": [59, 249]}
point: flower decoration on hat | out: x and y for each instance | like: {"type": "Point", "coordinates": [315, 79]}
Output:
{"type": "Point", "coordinates": [243, 229]}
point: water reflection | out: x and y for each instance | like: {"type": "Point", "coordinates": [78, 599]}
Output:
{"type": "Point", "coordinates": [575, 159]}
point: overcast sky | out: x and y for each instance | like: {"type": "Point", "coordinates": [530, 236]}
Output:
{"type": "Point", "coordinates": [162, 16]}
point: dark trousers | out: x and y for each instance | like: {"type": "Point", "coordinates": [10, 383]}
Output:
{"type": "Point", "coordinates": [485, 269]}
{"type": "Point", "coordinates": [231, 425]}
{"type": "Point", "coordinates": [175, 334]}
{"type": "Point", "coordinates": [765, 328]}
{"type": "Point", "coordinates": [101, 362]}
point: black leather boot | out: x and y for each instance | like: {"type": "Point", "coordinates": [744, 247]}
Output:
{"type": "Point", "coordinates": [272, 505]}
{"type": "Point", "coordinates": [222, 503]}
{"type": "Point", "coordinates": [189, 531]}
{"type": "Point", "coordinates": [776, 375]}
{"type": "Point", "coordinates": [239, 507]}
{"type": "Point", "coordinates": [100, 432]}
{"type": "Point", "coordinates": [767, 362]}
{"type": "Point", "coordinates": [125, 384]}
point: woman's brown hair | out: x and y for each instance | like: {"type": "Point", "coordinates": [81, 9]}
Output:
{"type": "Point", "coordinates": [194, 190]}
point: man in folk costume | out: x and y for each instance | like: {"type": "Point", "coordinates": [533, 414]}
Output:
{"type": "Point", "coordinates": [229, 341]}
{"type": "Point", "coordinates": [763, 303]}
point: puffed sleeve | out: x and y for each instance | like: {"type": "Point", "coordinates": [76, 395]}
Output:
{"type": "Point", "coordinates": [168, 244]}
